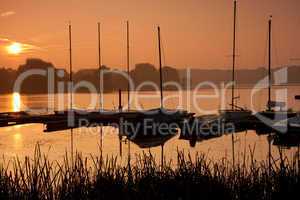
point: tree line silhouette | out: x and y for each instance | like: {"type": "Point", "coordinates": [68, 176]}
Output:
{"type": "Point", "coordinates": [142, 72]}
{"type": "Point", "coordinates": [112, 81]}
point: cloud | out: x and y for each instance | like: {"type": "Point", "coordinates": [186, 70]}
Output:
{"type": "Point", "coordinates": [4, 40]}
{"type": "Point", "coordinates": [26, 47]}
{"type": "Point", "coordinates": [7, 14]}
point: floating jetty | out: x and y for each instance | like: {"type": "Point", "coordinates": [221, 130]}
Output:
{"type": "Point", "coordinates": [192, 128]}
{"type": "Point", "coordinates": [187, 121]}
{"type": "Point", "coordinates": [17, 118]}
{"type": "Point", "coordinates": [61, 120]}
{"type": "Point", "coordinates": [115, 118]}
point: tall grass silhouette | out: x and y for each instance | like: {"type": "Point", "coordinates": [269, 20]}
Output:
{"type": "Point", "coordinates": [190, 178]}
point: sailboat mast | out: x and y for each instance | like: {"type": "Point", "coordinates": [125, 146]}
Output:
{"type": "Point", "coordinates": [269, 64]}
{"type": "Point", "coordinates": [71, 87]}
{"type": "Point", "coordinates": [99, 66]}
{"type": "Point", "coordinates": [160, 68]}
{"type": "Point", "coordinates": [233, 56]}
{"type": "Point", "coordinates": [100, 83]}
{"type": "Point", "coordinates": [70, 63]}
{"type": "Point", "coordinates": [128, 63]}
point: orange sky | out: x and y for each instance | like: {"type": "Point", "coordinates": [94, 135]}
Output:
{"type": "Point", "coordinates": [195, 33]}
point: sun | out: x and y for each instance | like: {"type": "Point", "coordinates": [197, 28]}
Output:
{"type": "Point", "coordinates": [15, 48]}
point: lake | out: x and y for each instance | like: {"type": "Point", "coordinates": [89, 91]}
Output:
{"type": "Point", "coordinates": [21, 140]}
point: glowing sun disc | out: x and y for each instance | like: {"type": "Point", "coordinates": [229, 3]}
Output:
{"type": "Point", "coordinates": [14, 48]}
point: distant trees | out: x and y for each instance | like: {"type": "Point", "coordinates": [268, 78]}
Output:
{"type": "Point", "coordinates": [34, 83]}
{"type": "Point", "coordinates": [113, 80]}
{"type": "Point", "coordinates": [170, 75]}
{"type": "Point", "coordinates": [7, 78]}
{"type": "Point", "coordinates": [147, 72]}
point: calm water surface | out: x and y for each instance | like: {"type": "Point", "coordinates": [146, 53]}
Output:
{"type": "Point", "coordinates": [21, 140]}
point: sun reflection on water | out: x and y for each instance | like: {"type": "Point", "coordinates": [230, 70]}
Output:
{"type": "Point", "coordinates": [17, 138]}
{"type": "Point", "coordinates": [16, 102]}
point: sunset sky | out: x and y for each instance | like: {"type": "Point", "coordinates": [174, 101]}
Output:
{"type": "Point", "coordinates": [195, 33]}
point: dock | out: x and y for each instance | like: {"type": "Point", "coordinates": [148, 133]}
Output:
{"type": "Point", "coordinates": [192, 128]}
{"type": "Point", "coordinates": [60, 120]}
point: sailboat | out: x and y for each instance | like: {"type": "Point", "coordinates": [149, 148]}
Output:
{"type": "Point", "coordinates": [154, 117]}
{"type": "Point", "coordinates": [195, 127]}
{"type": "Point", "coordinates": [278, 118]}
{"type": "Point", "coordinates": [236, 115]}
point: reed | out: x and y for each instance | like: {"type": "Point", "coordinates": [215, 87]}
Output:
{"type": "Point", "coordinates": [104, 178]}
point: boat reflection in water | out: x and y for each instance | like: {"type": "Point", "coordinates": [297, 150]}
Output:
{"type": "Point", "coordinates": [286, 133]}
{"type": "Point", "coordinates": [197, 129]}
{"type": "Point", "coordinates": [290, 138]}
{"type": "Point", "coordinates": [287, 141]}
{"type": "Point", "coordinates": [151, 135]}
{"type": "Point", "coordinates": [148, 140]}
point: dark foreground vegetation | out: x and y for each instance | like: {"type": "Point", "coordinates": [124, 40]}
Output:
{"type": "Point", "coordinates": [190, 178]}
